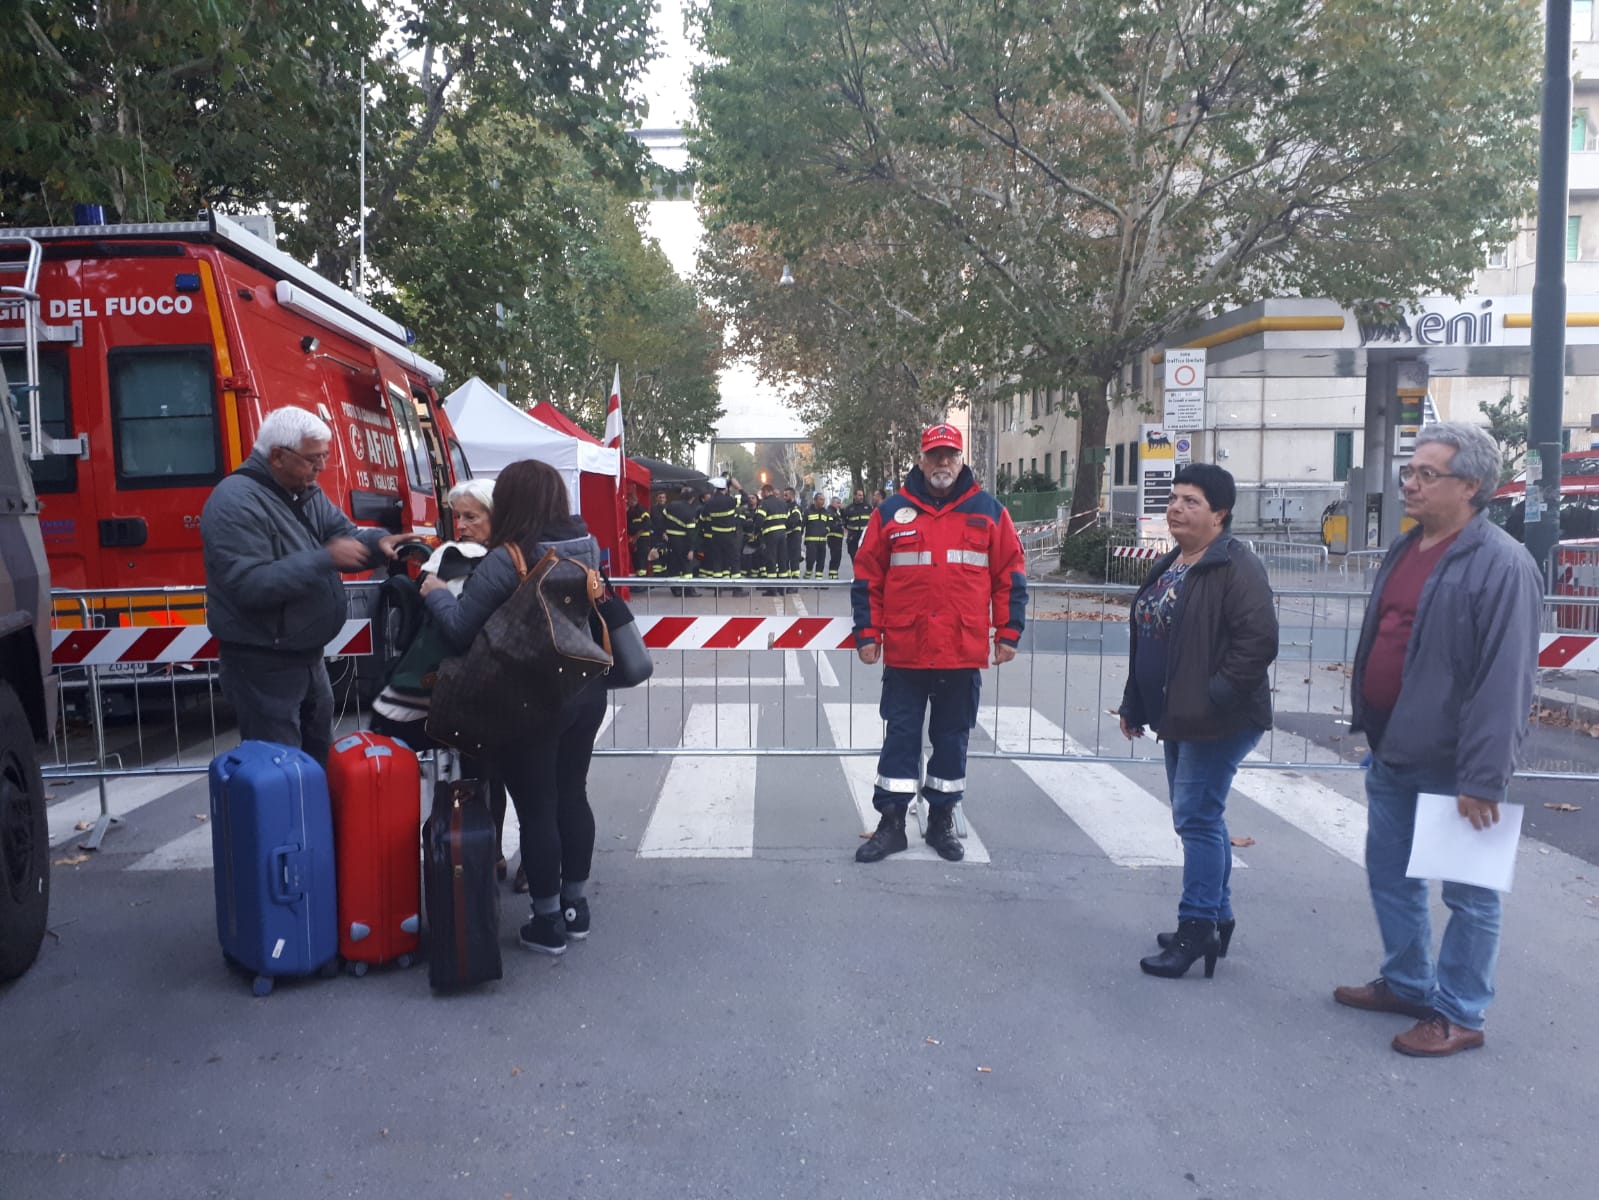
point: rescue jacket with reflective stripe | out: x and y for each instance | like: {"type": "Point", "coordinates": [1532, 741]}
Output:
{"type": "Point", "coordinates": [818, 521]}
{"type": "Point", "coordinates": [932, 577]}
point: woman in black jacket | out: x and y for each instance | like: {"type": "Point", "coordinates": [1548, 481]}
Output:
{"type": "Point", "coordinates": [1204, 634]}
{"type": "Point", "coordinates": [546, 776]}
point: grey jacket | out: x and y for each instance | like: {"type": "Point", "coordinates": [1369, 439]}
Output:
{"type": "Point", "coordinates": [270, 585]}
{"type": "Point", "coordinates": [495, 579]}
{"type": "Point", "coordinates": [1469, 666]}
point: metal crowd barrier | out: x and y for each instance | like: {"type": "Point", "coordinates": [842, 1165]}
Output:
{"type": "Point", "coordinates": [739, 672]}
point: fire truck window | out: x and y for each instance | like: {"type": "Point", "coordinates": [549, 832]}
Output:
{"type": "Point", "coordinates": [164, 417]}
{"type": "Point", "coordinates": [458, 457]}
{"type": "Point", "coordinates": [58, 472]}
{"type": "Point", "coordinates": [412, 449]}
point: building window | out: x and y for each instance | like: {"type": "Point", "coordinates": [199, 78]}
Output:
{"type": "Point", "coordinates": [1049, 401]}
{"type": "Point", "coordinates": [1573, 245]}
{"type": "Point", "coordinates": [1035, 404]}
{"type": "Point", "coordinates": [1048, 473]}
{"type": "Point", "coordinates": [1132, 461]}
{"type": "Point", "coordinates": [1065, 470]}
{"type": "Point", "coordinates": [1343, 454]}
{"type": "Point", "coordinates": [1021, 467]}
{"type": "Point", "coordinates": [1582, 20]}
{"type": "Point", "coordinates": [1119, 476]}
{"type": "Point", "coordinates": [1498, 259]}
{"type": "Point", "coordinates": [1579, 131]}
{"type": "Point", "coordinates": [1033, 469]}
{"type": "Point", "coordinates": [1565, 441]}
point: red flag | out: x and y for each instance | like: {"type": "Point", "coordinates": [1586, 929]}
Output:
{"type": "Point", "coordinates": [613, 412]}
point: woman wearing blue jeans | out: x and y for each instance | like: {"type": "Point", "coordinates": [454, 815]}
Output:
{"type": "Point", "coordinates": [1204, 634]}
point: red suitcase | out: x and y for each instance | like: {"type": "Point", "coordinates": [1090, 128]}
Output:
{"type": "Point", "coordinates": [374, 782]}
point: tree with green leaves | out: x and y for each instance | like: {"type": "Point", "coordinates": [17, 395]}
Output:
{"type": "Point", "coordinates": [1507, 425]}
{"type": "Point", "coordinates": [1068, 185]}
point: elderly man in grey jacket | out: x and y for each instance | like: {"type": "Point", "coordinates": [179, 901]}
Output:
{"type": "Point", "coordinates": [1443, 686]}
{"type": "Point", "coordinates": [275, 547]}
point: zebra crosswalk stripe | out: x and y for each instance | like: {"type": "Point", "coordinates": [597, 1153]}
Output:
{"type": "Point", "coordinates": [706, 806]}
{"type": "Point", "coordinates": [1129, 824]}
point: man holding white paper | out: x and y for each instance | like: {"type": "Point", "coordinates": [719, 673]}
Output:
{"type": "Point", "coordinates": [1442, 687]}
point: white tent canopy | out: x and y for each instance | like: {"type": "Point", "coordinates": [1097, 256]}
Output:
{"type": "Point", "coordinates": [495, 433]}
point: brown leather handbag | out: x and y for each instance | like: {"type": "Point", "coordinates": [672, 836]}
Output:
{"type": "Point", "coordinates": [530, 658]}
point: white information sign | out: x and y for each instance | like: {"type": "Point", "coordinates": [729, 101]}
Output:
{"type": "Point", "coordinates": [1185, 370]}
{"type": "Point", "coordinates": [1185, 409]}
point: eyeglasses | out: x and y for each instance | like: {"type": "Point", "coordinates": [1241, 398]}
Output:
{"type": "Point", "coordinates": [311, 460]}
{"type": "Point", "coordinates": [1426, 475]}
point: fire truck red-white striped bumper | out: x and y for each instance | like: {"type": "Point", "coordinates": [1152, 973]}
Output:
{"type": "Point", "coordinates": [172, 644]}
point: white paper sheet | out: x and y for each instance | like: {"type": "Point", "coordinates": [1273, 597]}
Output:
{"type": "Point", "coordinates": [1445, 846]}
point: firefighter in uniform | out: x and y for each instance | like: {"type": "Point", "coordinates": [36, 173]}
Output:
{"type": "Point", "coordinates": [638, 533]}
{"type": "Point", "coordinates": [774, 538]}
{"type": "Point", "coordinates": [658, 561]}
{"type": "Point", "coordinates": [749, 526]}
{"type": "Point", "coordinates": [818, 521]}
{"type": "Point", "coordinates": [794, 555]}
{"type": "Point", "coordinates": [940, 564]}
{"type": "Point", "coordinates": [682, 523]}
{"type": "Point", "coordinates": [855, 517]}
{"type": "Point", "coordinates": [835, 538]}
{"type": "Point", "coordinates": [719, 525]}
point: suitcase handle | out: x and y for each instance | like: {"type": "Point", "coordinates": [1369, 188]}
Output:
{"type": "Point", "coordinates": [283, 880]}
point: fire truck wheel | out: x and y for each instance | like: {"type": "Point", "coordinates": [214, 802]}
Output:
{"type": "Point", "coordinates": [24, 842]}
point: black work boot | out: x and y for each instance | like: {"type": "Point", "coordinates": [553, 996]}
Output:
{"type": "Point", "coordinates": [889, 838]}
{"type": "Point", "coordinates": [941, 833]}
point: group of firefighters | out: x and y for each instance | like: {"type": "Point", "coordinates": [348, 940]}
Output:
{"type": "Point", "coordinates": [727, 533]}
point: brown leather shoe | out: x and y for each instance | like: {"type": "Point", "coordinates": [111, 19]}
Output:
{"type": "Point", "coordinates": [1377, 996]}
{"type": "Point", "coordinates": [1437, 1037]}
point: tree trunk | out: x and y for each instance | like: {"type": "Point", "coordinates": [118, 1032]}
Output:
{"type": "Point", "coordinates": [1094, 415]}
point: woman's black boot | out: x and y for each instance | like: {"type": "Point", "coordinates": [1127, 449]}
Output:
{"type": "Point", "coordinates": [1194, 940]}
{"type": "Point", "coordinates": [1224, 934]}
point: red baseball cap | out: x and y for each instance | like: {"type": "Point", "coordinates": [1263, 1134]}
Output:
{"type": "Point", "coordinates": [941, 435]}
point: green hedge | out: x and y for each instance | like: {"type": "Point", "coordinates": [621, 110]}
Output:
{"type": "Point", "coordinates": [1084, 551]}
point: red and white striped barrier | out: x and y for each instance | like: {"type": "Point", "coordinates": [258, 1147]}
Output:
{"type": "Point", "coordinates": [1569, 651]}
{"type": "Point", "coordinates": [1145, 552]}
{"type": "Point", "coordinates": [747, 633]}
{"type": "Point", "coordinates": [172, 644]}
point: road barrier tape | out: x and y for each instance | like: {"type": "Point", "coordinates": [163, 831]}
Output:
{"type": "Point", "coordinates": [747, 633]}
{"type": "Point", "coordinates": [1144, 552]}
{"type": "Point", "coordinates": [1568, 652]}
{"type": "Point", "coordinates": [172, 644]}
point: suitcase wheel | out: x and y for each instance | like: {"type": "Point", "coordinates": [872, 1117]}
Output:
{"type": "Point", "coordinates": [262, 985]}
{"type": "Point", "coordinates": [405, 960]}
{"type": "Point", "coordinates": [358, 969]}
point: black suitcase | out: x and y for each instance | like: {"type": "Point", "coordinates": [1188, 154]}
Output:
{"type": "Point", "coordinates": [459, 851]}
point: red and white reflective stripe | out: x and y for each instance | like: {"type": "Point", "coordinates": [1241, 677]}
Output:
{"type": "Point", "coordinates": [747, 633]}
{"type": "Point", "coordinates": [172, 644]}
{"type": "Point", "coordinates": [1569, 651]}
{"type": "Point", "coordinates": [1149, 552]}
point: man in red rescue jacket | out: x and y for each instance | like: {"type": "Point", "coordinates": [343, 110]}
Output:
{"type": "Point", "coordinates": [939, 565]}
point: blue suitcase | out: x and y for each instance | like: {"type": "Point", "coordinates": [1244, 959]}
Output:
{"type": "Point", "coordinates": [272, 848]}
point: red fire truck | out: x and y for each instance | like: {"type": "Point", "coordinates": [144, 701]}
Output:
{"type": "Point", "coordinates": [158, 349]}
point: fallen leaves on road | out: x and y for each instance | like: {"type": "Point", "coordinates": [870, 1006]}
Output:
{"type": "Point", "coordinates": [202, 816]}
{"type": "Point", "coordinates": [71, 861]}
{"type": "Point", "coordinates": [1563, 718]}
{"type": "Point", "coordinates": [1077, 614]}
{"type": "Point", "coordinates": [933, 1041]}
{"type": "Point", "coordinates": [1563, 807]}
{"type": "Point", "coordinates": [1243, 841]}
{"type": "Point", "coordinates": [83, 826]}
{"type": "Point", "coordinates": [985, 1070]}
{"type": "Point", "coordinates": [515, 1071]}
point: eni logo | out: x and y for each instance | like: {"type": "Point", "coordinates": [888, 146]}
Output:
{"type": "Point", "coordinates": [1388, 323]}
